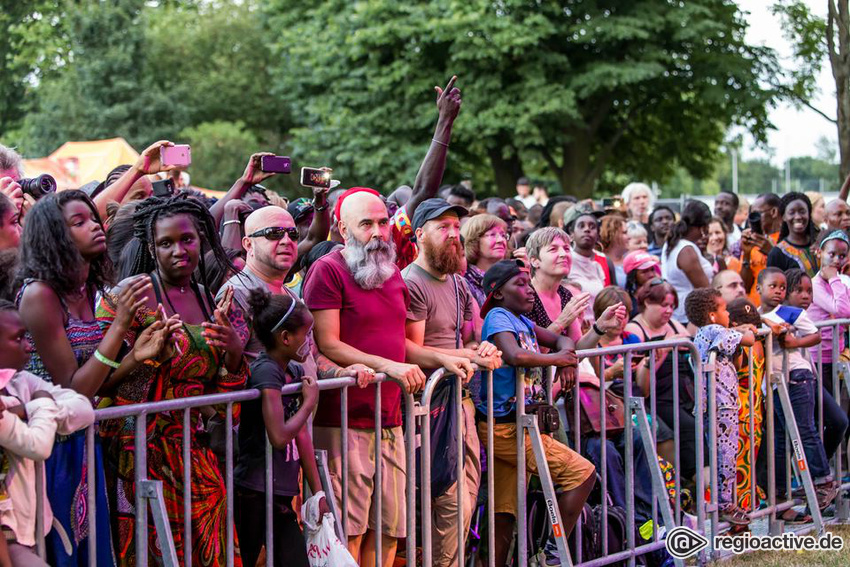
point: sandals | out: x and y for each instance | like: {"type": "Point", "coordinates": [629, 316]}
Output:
{"type": "Point", "coordinates": [734, 515]}
{"type": "Point", "coordinates": [826, 493]}
{"type": "Point", "coordinates": [797, 518]}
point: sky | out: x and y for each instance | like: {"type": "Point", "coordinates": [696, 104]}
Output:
{"type": "Point", "coordinates": [797, 129]}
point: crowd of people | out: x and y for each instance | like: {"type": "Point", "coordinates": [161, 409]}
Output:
{"type": "Point", "coordinates": [112, 295]}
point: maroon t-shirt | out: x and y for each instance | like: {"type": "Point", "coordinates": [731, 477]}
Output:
{"type": "Point", "coordinates": [372, 321]}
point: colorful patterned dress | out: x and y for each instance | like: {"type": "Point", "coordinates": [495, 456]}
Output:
{"type": "Point", "coordinates": [744, 467]}
{"type": "Point", "coordinates": [195, 372]}
{"type": "Point", "coordinates": [66, 473]}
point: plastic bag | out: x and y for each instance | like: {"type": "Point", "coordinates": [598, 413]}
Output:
{"type": "Point", "coordinates": [323, 546]}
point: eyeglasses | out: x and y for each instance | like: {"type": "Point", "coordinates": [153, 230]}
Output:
{"type": "Point", "coordinates": [276, 233]}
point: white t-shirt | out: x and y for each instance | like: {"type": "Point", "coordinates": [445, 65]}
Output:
{"type": "Point", "coordinates": [677, 277]}
{"type": "Point", "coordinates": [587, 273]}
{"type": "Point", "coordinates": [733, 236]}
{"type": "Point", "coordinates": [798, 359]}
{"type": "Point", "coordinates": [527, 201]}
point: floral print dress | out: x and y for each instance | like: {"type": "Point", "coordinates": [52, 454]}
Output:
{"type": "Point", "coordinates": [193, 371]}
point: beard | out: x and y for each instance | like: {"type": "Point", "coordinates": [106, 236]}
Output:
{"type": "Point", "coordinates": [445, 259]}
{"type": "Point", "coordinates": [371, 264]}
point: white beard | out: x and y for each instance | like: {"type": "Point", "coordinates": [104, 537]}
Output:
{"type": "Point", "coordinates": [371, 264]}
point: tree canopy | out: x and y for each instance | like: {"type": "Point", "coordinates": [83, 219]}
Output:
{"type": "Point", "coordinates": [588, 93]}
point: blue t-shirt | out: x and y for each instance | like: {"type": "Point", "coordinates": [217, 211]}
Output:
{"type": "Point", "coordinates": [500, 320]}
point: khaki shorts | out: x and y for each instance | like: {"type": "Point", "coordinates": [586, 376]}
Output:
{"type": "Point", "coordinates": [569, 470]}
{"type": "Point", "coordinates": [361, 477]}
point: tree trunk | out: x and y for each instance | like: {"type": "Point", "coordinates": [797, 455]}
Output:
{"type": "Point", "coordinates": [506, 170]}
{"type": "Point", "coordinates": [838, 27]}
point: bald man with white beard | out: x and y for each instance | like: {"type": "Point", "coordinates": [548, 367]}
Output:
{"type": "Point", "coordinates": [359, 303]}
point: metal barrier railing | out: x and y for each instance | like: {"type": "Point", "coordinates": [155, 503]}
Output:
{"type": "Point", "coordinates": [417, 415]}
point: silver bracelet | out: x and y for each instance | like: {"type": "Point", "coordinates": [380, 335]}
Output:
{"type": "Point", "coordinates": [439, 142]}
{"type": "Point", "coordinates": [234, 221]}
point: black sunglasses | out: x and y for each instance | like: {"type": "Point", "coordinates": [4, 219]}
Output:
{"type": "Point", "coordinates": [276, 233]}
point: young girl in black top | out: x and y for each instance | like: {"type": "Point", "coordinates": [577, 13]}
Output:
{"type": "Point", "coordinates": [282, 325]}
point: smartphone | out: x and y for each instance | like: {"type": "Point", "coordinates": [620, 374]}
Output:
{"type": "Point", "coordinates": [614, 203]}
{"type": "Point", "coordinates": [180, 155]}
{"type": "Point", "coordinates": [163, 188]}
{"type": "Point", "coordinates": [276, 164]}
{"type": "Point", "coordinates": [312, 177]}
{"type": "Point", "coordinates": [754, 221]}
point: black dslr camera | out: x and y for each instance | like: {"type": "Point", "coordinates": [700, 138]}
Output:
{"type": "Point", "coordinates": [38, 187]}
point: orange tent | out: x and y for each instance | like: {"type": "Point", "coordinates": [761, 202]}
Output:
{"type": "Point", "coordinates": [76, 163]}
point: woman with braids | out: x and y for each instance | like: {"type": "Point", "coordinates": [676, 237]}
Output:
{"type": "Point", "coordinates": [63, 266]}
{"type": "Point", "coordinates": [682, 262]}
{"type": "Point", "coordinates": [797, 236]}
{"type": "Point", "coordinates": [203, 356]}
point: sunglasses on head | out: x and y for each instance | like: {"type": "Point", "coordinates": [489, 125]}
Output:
{"type": "Point", "coordinates": [276, 233]}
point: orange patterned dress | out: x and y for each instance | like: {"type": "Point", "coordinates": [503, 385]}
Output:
{"type": "Point", "coordinates": [193, 373]}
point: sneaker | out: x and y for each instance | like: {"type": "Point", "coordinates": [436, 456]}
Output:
{"type": "Point", "coordinates": [550, 550]}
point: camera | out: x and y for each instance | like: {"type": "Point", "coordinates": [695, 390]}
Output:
{"type": "Point", "coordinates": [38, 187]}
{"type": "Point", "coordinates": [312, 177]}
{"type": "Point", "coordinates": [754, 220]}
{"type": "Point", "coordinates": [163, 188]}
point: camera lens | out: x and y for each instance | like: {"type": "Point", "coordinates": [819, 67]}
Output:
{"type": "Point", "coordinates": [38, 187]}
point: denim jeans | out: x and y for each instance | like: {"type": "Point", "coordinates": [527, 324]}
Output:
{"type": "Point", "coordinates": [802, 391]}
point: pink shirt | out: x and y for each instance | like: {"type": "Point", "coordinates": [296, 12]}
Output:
{"type": "Point", "coordinates": [831, 300]}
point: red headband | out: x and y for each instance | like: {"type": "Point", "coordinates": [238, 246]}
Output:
{"type": "Point", "coordinates": [350, 192]}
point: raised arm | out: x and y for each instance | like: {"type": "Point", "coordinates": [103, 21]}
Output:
{"type": "Point", "coordinates": [321, 225]}
{"type": "Point", "coordinates": [845, 189]}
{"type": "Point", "coordinates": [253, 175]}
{"type": "Point", "coordinates": [434, 165]}
{"type": "Point", "coordinates": [147, 164]}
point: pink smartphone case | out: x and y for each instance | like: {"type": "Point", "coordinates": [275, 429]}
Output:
{"type": "Point", "coordinates": [176, 155]}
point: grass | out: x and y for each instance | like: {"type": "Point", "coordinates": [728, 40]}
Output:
{"type": "Point", "coordinates": [797, 558]}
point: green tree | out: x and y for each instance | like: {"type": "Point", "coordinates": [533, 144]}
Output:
{"type": "Point", "coordinates": [815, 40]}
{"type": "Point", "coordinates": [629, 86]}
{"type": "Point", "coordinates": [218, 152]}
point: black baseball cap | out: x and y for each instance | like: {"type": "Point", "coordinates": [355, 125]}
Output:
{"type": "Point", "coordinates": [498, 275]}
{"type": "Point", "coordinates": [299, 208]}
{"type": "Point", "coordinates": [431, 209]}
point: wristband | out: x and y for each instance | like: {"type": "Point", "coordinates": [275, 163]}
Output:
{"type": "Point", "coordinates": [234, 221]}
{"type": "Point", "coordinates": [439, 142]}
{"type": "Point", "coordinates": [103, 360]}
{"type": "Point", "coordinates": [597, 330]}
{"type": "Point", "coordinates": [320, 209]}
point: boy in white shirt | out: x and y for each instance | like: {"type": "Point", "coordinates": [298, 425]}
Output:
{"type": "Point", "coordinates": [794, 332]}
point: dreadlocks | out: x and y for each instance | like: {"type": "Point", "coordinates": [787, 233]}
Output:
{"type": "Point", "coordinates": [48, 252]}
{"type": "Point", "coordinates": [137, 257]}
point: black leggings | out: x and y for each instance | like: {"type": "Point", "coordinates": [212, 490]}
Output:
{"type": "Point", "coordinates": [290, 549]}
{"type": "Point", "coordinates": [687, 435]}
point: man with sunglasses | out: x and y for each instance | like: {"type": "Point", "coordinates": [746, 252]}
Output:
{"type": "Point", "coordinates": [272, 249]}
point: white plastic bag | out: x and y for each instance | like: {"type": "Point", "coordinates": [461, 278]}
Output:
{"type": "Point", "coordinates": [323, 546]}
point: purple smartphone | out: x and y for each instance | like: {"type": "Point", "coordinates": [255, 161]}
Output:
{"type": "Point", "coordinates": [180, 155]}
{"type": "Point", "coordinates": [276, 164]}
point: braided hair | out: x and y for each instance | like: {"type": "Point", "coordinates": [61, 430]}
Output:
{"type": "Point", "coordinates": [695, 213]}
{"type": "Point", "coordinates": [48, 252]}
{"type": "Point", "coordinates": [793, 277]}
{"type": "Point", "coordinates": [137, 257]}
{"type": "Point", "coordinates": [787, 199]}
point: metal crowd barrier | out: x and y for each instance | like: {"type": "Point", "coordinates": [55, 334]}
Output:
{"type": "Point", "coordinates": [640, 415]}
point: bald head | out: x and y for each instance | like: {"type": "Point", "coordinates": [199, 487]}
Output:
{"type": "Point", "coordinates": [730, 285]}
{"type": "Point", "coordinates": [837, 215]}
{"type": "Point", "coordinates": [266, 217]}
{"type": "Point", "coordinates": [364, 217]}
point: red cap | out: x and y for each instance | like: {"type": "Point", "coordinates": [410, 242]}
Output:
{"type": "Point", "coordinates": [640, 260]}
{"type": "Point", "coordinates": [349, 192]}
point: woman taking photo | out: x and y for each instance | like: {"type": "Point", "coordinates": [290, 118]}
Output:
{"type": "Point", "coordinates": [485, 239]}
{"type": "Point", "coordinates": [797, 236]}
{"type": "Point", "coordinates": [203, 355]}
{"type": "Point", "coordinates": [63, 266]}
{"type": "Point", "coordinates": [682, 262]}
